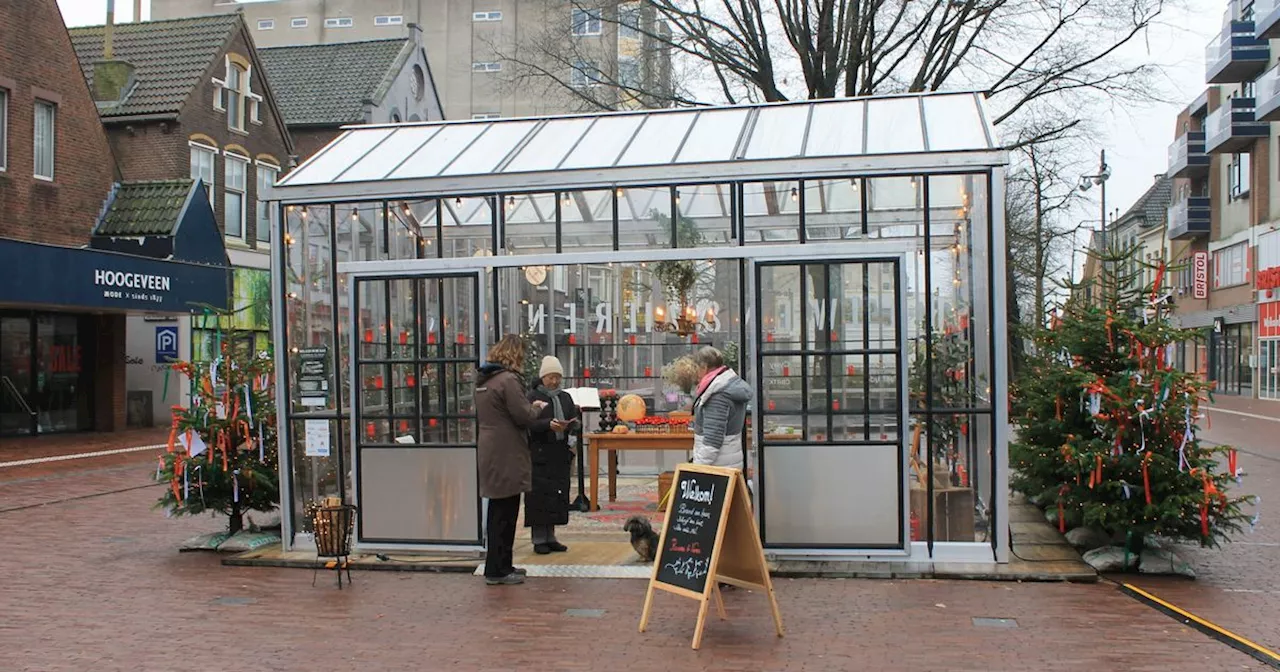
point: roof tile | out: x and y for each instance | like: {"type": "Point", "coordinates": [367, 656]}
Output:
{"type": "Point", "coordinates": [327, 84]}
{"type": "Point", "coordinates": [169, 58]}
{"type": "Point", "coordinates": [149, 208]}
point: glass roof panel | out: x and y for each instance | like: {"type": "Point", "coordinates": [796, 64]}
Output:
{"type": "Point", "coordinates": [836, 129]}
{"type": "Point", "coordinates": [714, 136]}
{"type": "Point", "coordinates": [439, 151]}
{"type": "Point", "coordinates": [953, 123]}
{"type": "Point", "coordinates": [549, 146]}
{"type": "Point", "coordinates": [602, 144]}
{"type": "Point", "coordinates": [779, 132]}
{"type": "Point", "coordinates": [491, 149]}
{"type": "Point", "coordinates": [893, 126]}
{"type": "Point", "coordinates": [657, 141]}
{"type": "Point", "coordinates": [350, 147]}
{"type": "Point", "coordinates": [402, 143]}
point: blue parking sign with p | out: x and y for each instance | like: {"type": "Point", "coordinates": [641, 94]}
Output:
{"type": "Point", "coordinates": [166, 345]}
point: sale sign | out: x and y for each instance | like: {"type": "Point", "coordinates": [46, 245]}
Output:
{"type": "Point", "coordinates": [1269, 319]}
{"type": "Point", "coordinates": [1200, 275]}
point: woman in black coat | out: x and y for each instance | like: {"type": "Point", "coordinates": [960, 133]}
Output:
{"type": "Point", "coordinates": [548, 504]}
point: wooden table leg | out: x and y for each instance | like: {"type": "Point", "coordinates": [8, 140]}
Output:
{"type": "Point", "coordinates": [613, 475]}
{"type": "Point", "coordinates": [594, 451]}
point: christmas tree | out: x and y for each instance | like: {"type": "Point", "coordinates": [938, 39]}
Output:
{"type": "Point", "coordinates": [1108, 427]}
{"type": "Point", "coordinates": [221, 456]}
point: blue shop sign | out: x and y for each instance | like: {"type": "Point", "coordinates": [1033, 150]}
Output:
{"type": "Point", "coordinates": [49, 275]}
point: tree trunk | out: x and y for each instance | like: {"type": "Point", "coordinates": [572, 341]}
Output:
{"type": "Point", "coordinates": [235, 520]}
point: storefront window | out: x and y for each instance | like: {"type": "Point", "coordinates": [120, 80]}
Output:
{"type": "Point", "coordinates": [771, 212]}
{"type": "Point", "coordinates": [46, 373]}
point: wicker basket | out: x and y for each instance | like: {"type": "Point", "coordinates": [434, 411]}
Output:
{"type": "Point", "coordinates": [664, 484]}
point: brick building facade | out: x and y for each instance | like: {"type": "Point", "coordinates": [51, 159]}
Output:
{"type": "Point", "coordinates": [64, 299]}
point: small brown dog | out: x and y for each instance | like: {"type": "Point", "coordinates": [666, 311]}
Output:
{"type": "Point", "coordinates": [643, 538]}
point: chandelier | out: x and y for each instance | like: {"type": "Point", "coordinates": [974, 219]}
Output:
{"type": "Point", "coordinates": [686, 322]}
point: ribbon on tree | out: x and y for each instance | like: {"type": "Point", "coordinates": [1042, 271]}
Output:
{"type": "Point", "coordinates": [235, 486]}
{"type": "Point", "coordinates": [1057, 402]}
{"type": "Point", "coordinates": [1231, 464]}
{"type": "Point", "coordinates": [1146, 476]}
{"type": "Point", "coordinates": [1111, 337]}
{"type": "Point", "coordinates": [261, 446]}
{"type": "Point", "coordinates": [200, 485]}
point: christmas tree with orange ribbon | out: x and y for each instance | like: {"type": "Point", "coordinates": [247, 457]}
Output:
{"type": "Point", "coordinates": [221, 455]}
{"type": "Point", "coordinates": [1107, 423]}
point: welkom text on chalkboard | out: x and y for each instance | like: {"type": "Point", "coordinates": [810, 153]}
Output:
{"type": "Point", "coordinates": [709, 538]}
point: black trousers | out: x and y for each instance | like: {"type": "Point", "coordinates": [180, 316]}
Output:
{"type": "Point", "coordinates": [501, 526]}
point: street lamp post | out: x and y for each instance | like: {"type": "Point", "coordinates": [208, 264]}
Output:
{"type": "Point", "coordinates": [1100, 179]}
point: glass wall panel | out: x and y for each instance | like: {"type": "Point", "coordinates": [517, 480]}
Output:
{"type": "Point", "coordinates": [587, 221]}
{"type": "Point", "coordinates": [529, 223]}
{"type": "Point", "coordinates": [644, 219]}
{"type": "Point", "coordinates": [833, 210]}
{"type": "Point", "coordinates": [771, 212]}
{"type": "Point", "coordinates": [705, 215]}
{"type": "Point", "coordinates": [468, 226]}
{"type": "Point", "coordinates": [310, 294]}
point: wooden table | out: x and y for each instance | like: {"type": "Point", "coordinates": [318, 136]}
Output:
{"type": "Point", "coordinates": [612, 443]}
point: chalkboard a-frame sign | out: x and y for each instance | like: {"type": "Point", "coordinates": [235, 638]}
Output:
{"type": "Point", "coordinates": [709, 538]}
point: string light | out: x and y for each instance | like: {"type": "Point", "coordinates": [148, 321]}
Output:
{"type": "Point", "coordinates": [457, 202]}
{"type": "Point", "coordinates": [511, 202]}
{"type": "Point", "coordinates": [618, 191]}
{"type": "Point", "coordinates": [795, 194]}
{"type": "Point", "coordinates": [677, 196]}
{"type": "Point", "coordinates": [355, 214]}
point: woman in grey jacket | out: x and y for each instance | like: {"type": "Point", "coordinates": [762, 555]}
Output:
{"type": "Point", "coordinates": [719, 412]}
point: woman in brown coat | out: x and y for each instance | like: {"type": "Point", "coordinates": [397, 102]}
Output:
{"type": "Point", "coordinates": [506, 469]}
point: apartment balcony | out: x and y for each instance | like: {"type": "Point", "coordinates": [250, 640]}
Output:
{"type": "Point", "coordinates": [1267, 18]}
{"type": "Point", "coordinates": [1236, 55]}
{"type": "Point", "coordinates": [1268, 91]}
{"type": "Point", "coordinates": [1232, 127]}
{"type": "Point", "coordinates": [1187, 157]}
{"type": "Point", "coordinates": [1189, 218]}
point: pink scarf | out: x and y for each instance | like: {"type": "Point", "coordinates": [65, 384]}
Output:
{"type": "Point", "coordinates": [706, 380]}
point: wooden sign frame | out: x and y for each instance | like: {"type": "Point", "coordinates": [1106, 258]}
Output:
{"type": "Point", "coordinates": [743, 564]}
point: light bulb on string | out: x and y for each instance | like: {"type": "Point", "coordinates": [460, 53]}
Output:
{"type": "Point", "coordinates": [457, 202]}
{"type": "Point", "coordinates": [565, 198]}
{"type": "Point", "coordinates": [795, 194]}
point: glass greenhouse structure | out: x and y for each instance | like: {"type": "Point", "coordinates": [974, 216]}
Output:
{"type": "Point", "coordinates": [848, 253]}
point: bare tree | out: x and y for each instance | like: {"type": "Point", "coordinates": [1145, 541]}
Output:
{"type": "Point", "coordinates": [1026, 54]}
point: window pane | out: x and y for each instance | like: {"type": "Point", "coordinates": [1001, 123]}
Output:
{"type": "Point", "coordinates": [771, 212]}
{"type": "Point", "coordinates": [4, 129]}
{"type": "Point", "coordinates": [233, 213]}
{"type": "Point", "coordinates": [658, 139]}
{"type": "Point", "coordinates": [44, 140]}
{"type": "Point", "coordinates": [266, 182]}
{"type": "Point", "coordinates": [779, 132]}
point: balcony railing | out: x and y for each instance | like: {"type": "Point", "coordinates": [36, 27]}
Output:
{"type": "Point", "coordinates": [1266, 16]}
{"type": "Point", "coordinates": [1189, 218]}
{"type": "Point", "coordinates": [1233, 127]}
{"type": "Point", "coordinates": [1268, 89]}
{"type": "Point", "coordinates": [1187, 157]}
{"type": "Point", "coordinates": [1235, 55]}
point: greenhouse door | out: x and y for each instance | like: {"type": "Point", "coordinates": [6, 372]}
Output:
{"type": "Point", "coordinates": [419, 339]}
{"type": "Point", "coordinates": [830, 377]}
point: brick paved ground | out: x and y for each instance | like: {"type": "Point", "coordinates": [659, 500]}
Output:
{"type": "Point", "coordinates": [95, 583]}
{"type": "Point", "coordinates": [1239, 585]}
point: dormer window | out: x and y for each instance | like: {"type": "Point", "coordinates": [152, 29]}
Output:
{"type": "Point", "coordinates": [235, 95]}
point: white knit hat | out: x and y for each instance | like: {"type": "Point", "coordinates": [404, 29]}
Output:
{"type": "Point", "coordinates": [550, 365]}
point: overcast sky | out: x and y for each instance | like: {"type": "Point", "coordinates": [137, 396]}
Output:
{"type": "Point", "coordinates": [1137, 139]}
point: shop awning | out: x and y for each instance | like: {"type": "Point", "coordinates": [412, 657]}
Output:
{"type": "Point", "coordinates": [83, 278]}
{"type": "Point", "coordinates": [904, 134]}
{"type": "Point", "coordinates": [155, 248]}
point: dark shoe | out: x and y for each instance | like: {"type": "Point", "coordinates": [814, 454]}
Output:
{"type": "Point", "coordinates": [542, 549]}
{"type": "Point", "coordinates": [558, 547]}
{"type": "Point", "coordinates": [511, 579]}
{"type": "Point", "coordinates": [519, 570]}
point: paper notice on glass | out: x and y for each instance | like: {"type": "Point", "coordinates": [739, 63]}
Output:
{"type": "Point", "coordinates": [317, 438]}
{"type": "Point", "coordinates": [585, 397]}
{"type": "Point", "coordinates": [197, 445]}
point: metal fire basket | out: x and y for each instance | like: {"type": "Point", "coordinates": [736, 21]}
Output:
{"type": "Point", "coordinates": [333, 526]}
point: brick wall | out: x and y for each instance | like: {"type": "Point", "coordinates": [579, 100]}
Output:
{"type": "Point", "coordinates": [1260, 188]}
{"type": "Point", "coordinates": [162, 150]}
{"type": "Point", "coordinates": [41, 65]}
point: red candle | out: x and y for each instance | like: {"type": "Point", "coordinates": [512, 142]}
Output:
{"type": "Point", "coordinates": [772, 406]}
{"type": "Point", "coordinates": [693, 338]}
{"type": "Point", "coordinates": [586, 373]}
{"type": "Point", "coordinates": [410, 380]}
{"type": "Point", "coordinates": [404, 338]}
{"type": "Point", "coordinates": [786, 370]}
{"type": "Point", "coordinates": [431, 422]}
{"type": "Point", "coordinates": [632, 340]}
{"type": "Point", "coordinates": [850, 370]}
{"type": "Point", "coordinates": [368, 335]}
{"type": "Point", "coordinates": [370, 430]}
{"type": "Point", "coordinates": [835, 405]}
{"type": "Point", "coordinates": [404, 425]}
{"type": "Point", "coordinates": [431, 338]}
{"type": "Point", "coordinates": [377, 381]}
{"type": "Point", "coordinates": [462, 339]}
{"type": "Point", "coordinates": [648, 371]}
{"type": "Point", "coordinates": [573, 339]}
